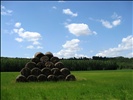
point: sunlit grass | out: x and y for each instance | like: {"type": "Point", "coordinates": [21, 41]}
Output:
{"type": "Point", "coordinates": [90, 85]}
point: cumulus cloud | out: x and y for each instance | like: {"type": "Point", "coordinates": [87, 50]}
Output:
{"type": "Point", "coordinates": [116, 21]}
{"type": "Point", "coordinates": [17, 25]}
{"type": "Point", "coordinates": [28, 36]}
{"type": "Point", "coordinates": [125, 46]}
{"type": "Point", "coordinates": [19, 39]}
{"type": "Point", "coordinates": [39, 47]}
{"type": "Point", "coordinates": [33, 47]}
{"type": "Point", "coordinates": [70, 49]}
{"type": "Point", "coordinates": [79, 29]}
{"type": "Point", "coordinates": [107, 24]}
{"type": "Point", "coordinates": [36, 43]}
{"type": "Point", "coordinates": [5, 11]}
{"type": "Point", "coordinates": [69, 12]}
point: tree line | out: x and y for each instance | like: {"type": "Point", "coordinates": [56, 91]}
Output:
{"type": "Point", "coordinates": [94, 63]}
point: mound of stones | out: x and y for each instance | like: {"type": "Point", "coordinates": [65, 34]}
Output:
{"type": "Point", "coordinates": [44, 67]}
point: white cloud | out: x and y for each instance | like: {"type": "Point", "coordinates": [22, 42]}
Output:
{"type": "Point", "coordinates": [130, 54]}
{"type": "Point", "coordinates": [17, 25]}
{"type": "Point", "coordinates": [73, 44]}
{"type": "Point", "coordinates": [79, 29]}
{"type": "Point", "coordinates": [70, 49]}
{"type": "Point", "coordinates": [36, 43]}
{"type": "Point", "coordinates": [125, 46]}
{"type": "Point", "coordinates": [112, 24]}
{"type": "Point", "coordinates": [115, 16]}
{"type": "Point", "coordinates": [15, 30]}
{"type": "Point", "coordinates": [39, 47]}
{"type": "Point", "coordinates": [107, 24]}
{"type": "Point", "coordinates": [19, 39]}
{"type": "Point", "coordinates": [33, 47]}
{"type": "Point", "coordinates": [116, 22]}
{"type": "Point", "coordinates": [28, 36]}
{"type": "Point", "coordinates": [30, 47]}
{"type": "Point", "coordinates": [5, 11]}
{"type": "Point", "coordinates": [69, 12]}
{"type": "Point", "coordinates": [54, 7]}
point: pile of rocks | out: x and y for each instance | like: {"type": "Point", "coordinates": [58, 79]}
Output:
{"type": "Point", "coordinates": [44, 67]}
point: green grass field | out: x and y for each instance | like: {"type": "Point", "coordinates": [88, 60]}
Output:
{"type": "Point", "coordinates": [90, 85]}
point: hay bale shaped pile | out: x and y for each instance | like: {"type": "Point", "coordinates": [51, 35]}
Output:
{"type": "Point", "coordinates": [44, 67]}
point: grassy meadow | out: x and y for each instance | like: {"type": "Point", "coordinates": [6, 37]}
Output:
{"type": "Point", "coordinates": [90, 85]}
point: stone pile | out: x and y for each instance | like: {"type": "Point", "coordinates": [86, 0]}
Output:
{"type": "Point", "coordinates": [44, 67]}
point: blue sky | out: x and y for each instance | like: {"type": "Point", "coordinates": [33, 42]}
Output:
{"type": "Point", "coordinates": [67, 29]}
